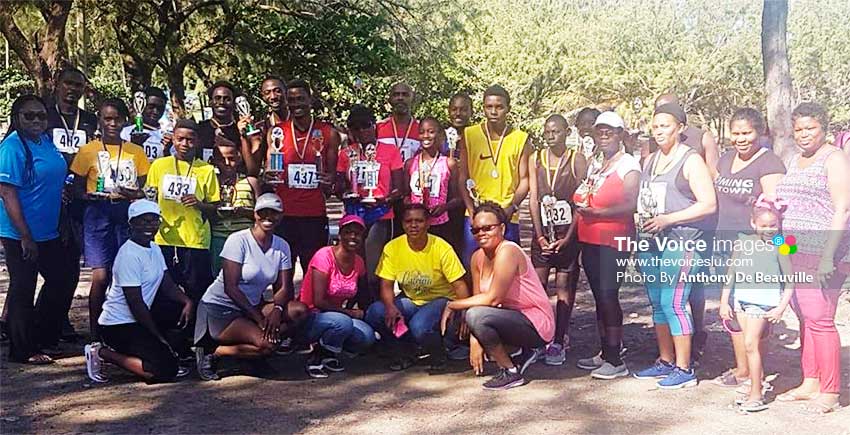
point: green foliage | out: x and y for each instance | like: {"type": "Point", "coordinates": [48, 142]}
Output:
{"type": "Point", "coordinates": [13, 82]}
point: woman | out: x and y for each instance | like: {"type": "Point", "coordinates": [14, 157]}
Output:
{"type": "Point", "coordinates": [330, 281]}
{"type": "Point", "coordinates": [32, 174]}
{"type": "Point", "coordinates": [429, 274]}
{"type": "Point", "coordinates": [231, 314]}
{"type": "Point", "coordinates": [555, 173]}
{"type": "Point", "coordinates": [817, 215]}
{"type": "Point", "coordinates": [509, 306]}
{"type": "Point", "coordinates": [676, 202]}
{"type": "Point", "coordinates": [141, 305]}
{"type": "Point", "coordinates": [743, 174]}
{"type": "Point", "coordinates": [609, 214]}
{"type": "Point", "coordinates": [109, 173]}
{"type": "Point", "coordinates": [432, 179]}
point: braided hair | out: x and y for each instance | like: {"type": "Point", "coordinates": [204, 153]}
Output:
{"type": "Point", "coordinates": [29, 167]}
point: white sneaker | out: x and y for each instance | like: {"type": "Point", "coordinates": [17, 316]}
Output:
{"type": "Point", "coordinates": [94, 363]}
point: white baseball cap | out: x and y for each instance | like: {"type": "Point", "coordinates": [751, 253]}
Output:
{"type": "Point", "coordinates": [142, 206]}
{"type": "Point", "coordinates": [611, 119]}
{"type": "Point", "coordinates": [268, 200]}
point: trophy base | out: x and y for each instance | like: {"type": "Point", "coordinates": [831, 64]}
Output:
{"type": "Point", "coordinates": [252, 133]}
{"type": "Point", "coordinates": [350, 195]}
{"type": "Point", "coordinates": [227, 208]}
{"type": "Point", "coordinates": [100, 194]}
{"type": "Point", "coordinates": [369, 200]}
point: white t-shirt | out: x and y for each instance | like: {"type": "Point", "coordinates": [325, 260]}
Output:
{"type": "Point", "coordinates": [259, 269]}
{"type": "Point", "coordinates": [152, 145]}
{"type": "Point", "coordinates": [135, 266]}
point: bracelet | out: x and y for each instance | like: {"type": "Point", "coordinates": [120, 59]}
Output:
{"type": "Point", "coordinates": [278, 307]}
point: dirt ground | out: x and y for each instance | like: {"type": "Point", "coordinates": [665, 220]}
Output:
{"type": "Point", "coordinates": [368, 398]}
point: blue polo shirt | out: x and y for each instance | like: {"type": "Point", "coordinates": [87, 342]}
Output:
{"type": "Point", "coordinates": [39, 193]}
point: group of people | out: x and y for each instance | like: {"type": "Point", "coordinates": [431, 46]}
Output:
{"type": "Point", "coordinates": [192, 232]}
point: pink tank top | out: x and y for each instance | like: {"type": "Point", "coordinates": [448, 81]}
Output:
{"type": "Point", "coordinates": [526, 295]}
{"type": "Point", "coordinates": [438, 185]}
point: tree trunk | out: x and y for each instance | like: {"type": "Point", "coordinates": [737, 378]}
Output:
{"type": "Point", "coordinates": [178, 92]}
{"type": "Point", "coordinates": [777, 76]}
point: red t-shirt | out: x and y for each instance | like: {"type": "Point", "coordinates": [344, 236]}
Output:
{"type": "Point", "coordinates": [601, 231]}
{"type": "Point", "coordinates": [341, 287]}
{"type": "Point", "coordinates": [405, 137]}
{"type": "Point", "coordinates": [389, 160]}
{"type": "Point", "coordinates": [300, 198]}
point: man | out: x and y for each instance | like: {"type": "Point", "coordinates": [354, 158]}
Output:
{"type": "Point", "coordinates": [309, 151]}
{"type": "Point", "coordinates": [187, 192]}
{"type": "Point", "coordinates": [70, 127]}
{"type": "Point", "coordinates": [702, 142]}
{"type": "Point", "coordinates": [220, 130]}
{"type": "Point", "coordinates": [496, 160]}
{"type": "Point", "coordinates": [400, 129]}
{"type": "Point", "coordinates": [151, 137]}
{"type": "Point", "coordinates": [382, 180]}
{"type": "Point", "coordinates": [273, 93]}
{"type": "Point", "coordinates": [460, 110]}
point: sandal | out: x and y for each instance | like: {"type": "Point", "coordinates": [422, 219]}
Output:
{"type": "Point", "coordinates": [317, 371]}
{"type": "Point", "coordinates": [753, 406]}
{"type": "Point", "coordinates": [793, 396]}
{"type": "Point", "coordinates": [402, 363]}
{"type": "Point", "coordinates": [40, 359]}
{"type": "Point", "coordinates": [728, 379]}
{"type": "Point", "coordinates": [819, 408]}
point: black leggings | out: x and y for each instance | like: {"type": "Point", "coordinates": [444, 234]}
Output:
{"type": "Point", "coordinates": [603, 266]}
{"type": "Point", "coordinates": [494, 326]}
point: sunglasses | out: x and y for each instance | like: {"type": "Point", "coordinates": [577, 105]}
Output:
{"type": "Point", "coordinates": [485, 228]}
{"type": "Point", "coordinates": [31, 116]}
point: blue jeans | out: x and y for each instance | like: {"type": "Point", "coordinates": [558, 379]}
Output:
{"type": "Point", "coordinates": [336, 331]}
{"type": "Point", "coordinates": [470, 245]}
{"type": "Point", "coordinates": [422, 321]}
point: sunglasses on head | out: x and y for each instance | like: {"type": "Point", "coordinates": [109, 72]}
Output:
{"type": "Point", "coordinates": [485, 228]}
{"type": "Point", "coordinates": [31, 116]}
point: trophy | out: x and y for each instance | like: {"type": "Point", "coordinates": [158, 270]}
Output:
{"type": "Point", "coordinates": [244, 110]}
{"type": "Point", "coordinates": [228, 196]}
{"type": "Point", "coordinates": [424, 183]}
{"type": "Point", "coordinates": [548, 203]}
{"type": "Point", "coordinates": [150, 193]}
{"type": "Point", "coordinates": [582, 194]}
{"type": "Point", "coordinates": [473, 193]}
{"type": "Point", "coordinates": [276, 162]}
{"type": "Point", "coordinates": [452, 137]}
{"type": "Point", "coordinates": [587, 146]}
{"type": "Point", "coordinates": [370, 170]}
{"type": "Point", "coordinates": [139, 103]}
{"type": "Point", "coordinates": [647, 209]}
{"type": "Point", "coordinates": [103, 169]}
{"type": "Point", "coordinates": [353, 163]}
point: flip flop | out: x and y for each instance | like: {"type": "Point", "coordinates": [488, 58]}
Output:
{"type": "Point", "coordinates": [818, 408]}
{"type": "Point", "coordinates": [753, 406]}
{"type": "Point", "coordinates": [794, 397]}
{"type": "Point", "coordinates": [40, 359]}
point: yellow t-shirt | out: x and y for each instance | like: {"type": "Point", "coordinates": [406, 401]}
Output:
{"type": "Point", "coordinates": [480, 163]}
{"type": "Point", "coordinates": [133, 164]}
{"type": "Point", "coordinates": [183, 226]}
{"type": "Point", "coordinates": [424, 275]}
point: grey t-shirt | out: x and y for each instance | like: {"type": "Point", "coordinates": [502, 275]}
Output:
{"type": "Point", "coordinates": [259, 269]}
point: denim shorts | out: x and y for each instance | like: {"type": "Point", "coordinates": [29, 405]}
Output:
{"type": "Point", "coordinates": [105, 229]}
{"type": "Point", "coordinates": [755, 311]}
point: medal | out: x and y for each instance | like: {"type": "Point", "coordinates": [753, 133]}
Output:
{"type": "Point", "coordinates": [494, 173]}
{"type": "Point", "coordinates": [494, 156]}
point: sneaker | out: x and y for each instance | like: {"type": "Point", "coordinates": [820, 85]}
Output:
{"type": "Point", "coordinates": [458, 353]}
{"type": "Point", "coordinates": [591, 363]}
{"type": "Point", "coordinates": [528, 357]}
{"type": "Point", "coordinates": [285, 347]}
{"type": "Point", "coordinates": [679, 378]}
{"type": "Point", "coordinates": [504, 380]}
{"type": "Point", "coordinates": [333, 364]}
{"type": "Point", "coordinates": [610, 371]}
{"type": "Point", "coordinates": [661, 369]}
{"type": "Point", "coordinates": [94, 363]}
{"type": "Point", "coordinates": [555, 355]}
{"type": "Point", "coordinates": [183, 371]}
{"type": "Point", "coordinates": [205, 364]}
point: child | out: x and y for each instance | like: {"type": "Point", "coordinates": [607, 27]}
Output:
{"type": "Point", "coordinates": [757, 302]}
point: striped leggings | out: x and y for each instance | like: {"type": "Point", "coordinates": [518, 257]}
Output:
{"type": "Point", "coordinates": [667, 293]}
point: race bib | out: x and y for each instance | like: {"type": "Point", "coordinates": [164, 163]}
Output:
{"type": "Point", "coordinates": [302, 176]}
{"type": "Point", "coordinates": [175, 187]}
{"type": "Point", "coordinates": [559, 214]}
{"type": "Point", "coordinates": [153, 150]}
{"type": "Point", "coordinates": [68, 142]}
{"type": "Point", "coordinates": [434, 183]}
